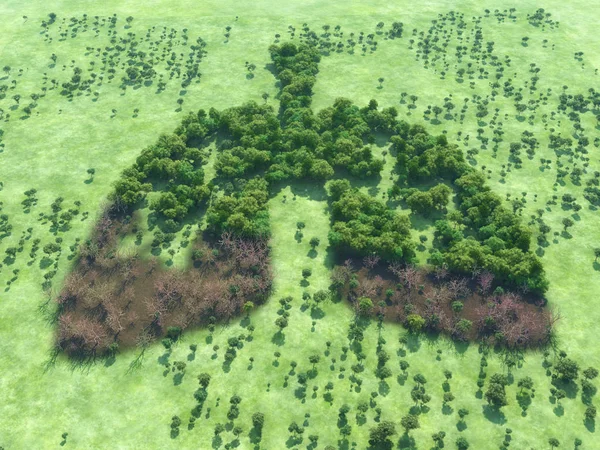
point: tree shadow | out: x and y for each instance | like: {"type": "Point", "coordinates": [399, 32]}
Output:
{"type": "Point", "coordinates": [590, 425]}
{"type": "Point", "coordinates": [45, 262]}
{"type": "Point", "coordinates": [164, 358]}
{"type": "Point", "coordinates": [293, 441]}
{"type": "Point", "coordinates": [316, 313]}
{"type": "Point", "coordinates": [217, 442]}
{"type": "Point", "coordinates": [402, 379]}
{"type": "Point", "coordinates": [461, 347]}
{"type": "Point", "coordinates": [384, 388]}
{"type": "Point", "coordinates": [407, 442]}
{"type": "Point", "coordinates": [255, 435]}
{"type": "Point", "coordinates": [110, 360]}
{"type": "Point", "coordinates": [494, 415]}
{"type": "Point", "coordinates": [278, 338]}
{"type": "Point", "coordinates": [413, 343]}
{"type": "Point", "coordinates": [178, 378]}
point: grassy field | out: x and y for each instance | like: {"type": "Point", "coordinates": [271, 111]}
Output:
{"type": "Point", "coordinates": [106, 405]}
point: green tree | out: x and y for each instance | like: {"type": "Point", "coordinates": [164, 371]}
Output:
{"type": "Point", "coordinates": [525, 383]}
{"type": "Point", "coordinates": [567, 223]}
{"type": "Point", "coordinates": [420, 202]}
{"type": "Point", "coordinates": [248, 306]}
{"type": "Point", "coordinates": [381, 433]}
{"type": "Point", "coordinates": [496, 393]}
{"type": "Point", "coordinates": [258, 420]}
{"type": "Point", "coordinates": [415, 323]}
{"type": "Point", "coordinates": [438, 439]}
{"type": "Point", "coordinates": [410, 422]}
{"type": "Point", "coordinates": [440, 194]}
{"type": "Point", "coordinates": [365, 306]}
{"type": "Point", "coordinates": [590, 413]}
{"type": "Point", "coordinates": [462, 443]}
{"type": "Point", "coordinates": [567, 369]}
{"type": "Point", "coordinates": [281, 322]}
{"type": "Point", "coordinates": [314, 360]}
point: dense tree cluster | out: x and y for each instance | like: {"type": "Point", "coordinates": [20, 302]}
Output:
{"type": "Point", "coordinates": [364, 226]}
{"type": "Point", "coordinates": [257, 148]}
{"type": "Point", "coordinates": [173, 168]}
{"type": "Point", "coordinates": [243, 213]}
{"type": "Point", "coordinates": [485, 234]}
{"type": "Point", "coordinates": [110, 301]}
{"type": "Point", "coordinates": [464, 308]}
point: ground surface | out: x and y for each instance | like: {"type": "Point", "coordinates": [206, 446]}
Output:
{"type": "Point", "coordinates": [105, 405]}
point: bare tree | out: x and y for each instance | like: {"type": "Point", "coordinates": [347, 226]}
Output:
{"type": "Point", "coordinates": [371, 261]}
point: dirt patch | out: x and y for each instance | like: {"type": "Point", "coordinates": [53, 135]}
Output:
{"type": "Point", "coordinates": [464, 308]}
{"type": "Point", "coordinates": [112, 301]}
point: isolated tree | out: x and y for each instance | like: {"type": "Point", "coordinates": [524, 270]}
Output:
{"type": "Point", "coordinates": [553, 442]}
{"type": "Point", "coordinates": [404, 365]}
{"type": "Point", "coordinates": [590, 373]}
{"type": "Point", "coordinates": [258, 420]}
{"type": "Point", "coordinates": [248, 306]}
{"type": "Point", "coordinates": [381, 433]}
{"type": "Point", "coordinates": [438, 438]}
{"type": "Point", "coordinates": [346, 430]}
{"type": "Point", "coordinates": [420, 379]}
{"type": "Point", "coordinates": [314, 242]}
{"type": "Point", "coordinates": [567, 369]}
{"type": "Point", "coordinates": [410, 422]}
{"type": "Point", "coordinates": [295, 429]}
{"type": "Point", "coordinates": [320, 296]}
{"type": "Point", "coordinates": [415, 323]}
{"type": "Point", "coordinates": [281, 322]}
{"type": "Point", "coordinates": [314, 360]}
{"type": "Point", "coordinates": [462, 443]}
{"type": "Point", "coordinates": [365, 306]}
{"type": "Point", "coordinates": [448, 397]}
{"type": "Point", "coordinates": [525, 383]}
{"type": "Point", "coordinates": [590, 413]}
{"type": "Point", "coordinates": [219, 428]}
{"type": "Point", "coordinates": [496, 394]}
{"type": "Point", "coordinates": [567, 223]}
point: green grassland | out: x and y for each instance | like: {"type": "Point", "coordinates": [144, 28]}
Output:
{"type": "Point", "coordinates": [105, 404]}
